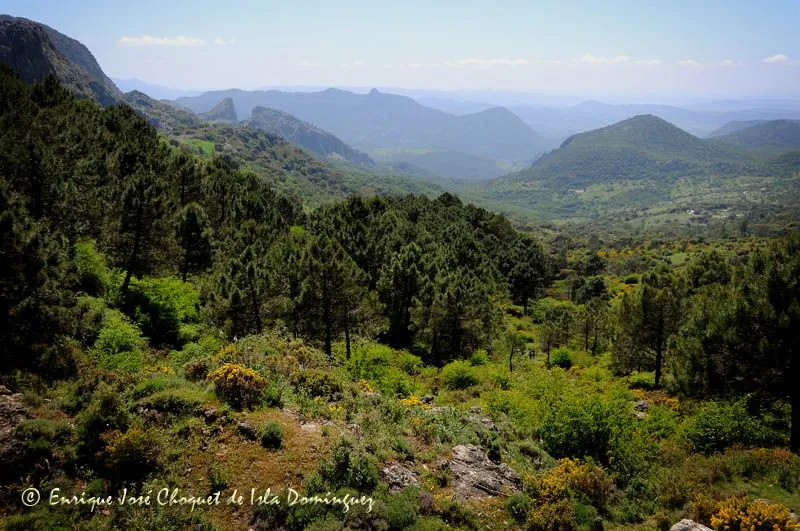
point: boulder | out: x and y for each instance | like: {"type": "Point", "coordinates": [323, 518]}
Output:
{"type": "Point", "coordinates": [398, 476]}
{"type": "Point", "coordinates": [475, 475]}
{"type": "Point", "coordinates": [247, 431]}
{"type": "Point", "coordinates": [689, 525]}
{"type": "Point", "coordinates": [12, 450]}
{"type": "Point", "coordinates": [641, 405]}
{"type": "Point", "coordinates": [427, 400]}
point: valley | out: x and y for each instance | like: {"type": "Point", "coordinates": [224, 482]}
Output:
{"type": "Point", "coordinates": [462, 311]}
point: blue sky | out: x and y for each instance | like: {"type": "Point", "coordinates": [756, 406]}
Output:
{"type": "Point", "coordinates": [702, 48]}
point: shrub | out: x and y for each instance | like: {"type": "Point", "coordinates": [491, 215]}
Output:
{"type": "Point", "coordinates": [237, 385]}
{"type": "Point", "coordinates": [479, 358]}
{"type": "Point", "coordinates": [40, 435]}
{"type": "Point", "coordinates": [554, 516]}
{"type": "Point", "coordinates": [273, 396]}
{"type": "Point", "coordinates": [153, 384]}
{"type": "Point", "coordinates": [161, 305]}
{"type": "Point", "coordinates": [119, 343]}
{"type": "Point", "coordinates": [573, 479]}
{"type": "Point", "coordinates": [561, 357]}
{"type": "Point", "coordinates": [719, 425]}
{"type": "Point", "coordinates": [403, 509]}
{"type": "Point", "coordinates": [739, 514]}
{"type": "Point", "coordinates": [457, 515]}
{"type": "Point", "coordinates": [272, 436]}
{"type": "Point", "coordinates": [631, 279]}
{"type": "Point", "coordinates": [315, 382]}
{"type": "Point", "coordinates": [196, 370]}
{"type": "Point", "coordinates": [103, 413]}
{"type": "Point", "coordinates": [93, 274]}
{"type": "Point", "coordinates": [174, 400]}
{"type": "Point", "coordinates": [407, 362]}
{"type": "Point", "coordinates": [518, 506]}
{"type": "Point", "coordinates": [459, 375]}
{"type": "Point", "coordinates": [349, 466]}
{"type": "Point", "coordinates": [131, 455]}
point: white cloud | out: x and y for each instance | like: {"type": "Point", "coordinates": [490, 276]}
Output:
{"type": "Point", "coordinates": [593, 59]}
{"type": "Point", "coordinates": [778, 58]}
{"type": "Point", "coordinates": [493, 62]}
{"type": "Point", "coordinates": [149, 40]}
{"type": "Point", "coordinates": [647, 61]}
{"type": "Point", "coordinates": [729, 62]}
{"type": "Point", "coordinates": [220, 41]}
{"type": "Point", "coordinates": [688, 62]}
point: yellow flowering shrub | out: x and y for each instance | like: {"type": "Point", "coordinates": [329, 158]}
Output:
{"type": "Point", "coordinates": [364, 386]}
{"type": "Point", "coordinates": [740, 514]}
{"type": "Point", "coordinates": [237, 385]}
{"type": "Point", "coordinates": [413, 401]}
{"type": "Point", "coordinates": [575, 478]}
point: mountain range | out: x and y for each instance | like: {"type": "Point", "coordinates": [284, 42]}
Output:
{"type": "Point", "coordinates": [641, 164]}
{"type": "Point", "coordinates": [379, 120]}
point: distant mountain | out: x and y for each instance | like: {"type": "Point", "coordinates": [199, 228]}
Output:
{"type": "Point", "coordinates": [306, 135]}
{"type": "Point", "coordinates": [777, 134]}
{"type": "Point", "coordinates": [448, 164]}
{"type": "Point", "coordinates": [732, 127]}
{"type": "Point", "coordinates": [35, 51]}
{"type": "Point", "coordinates": [561, 122]}
{"type": "Point", "coordinates": [641, 147]}
{"type": "Point", "coordinates": [223, 111]}
{"type": "Point", "coordinates": [158, 92]}
{"type": "Point", "coordinates": [378, 120]}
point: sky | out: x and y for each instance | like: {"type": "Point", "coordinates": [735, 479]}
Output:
{"type": "Point", "coordinates": [698, 48]}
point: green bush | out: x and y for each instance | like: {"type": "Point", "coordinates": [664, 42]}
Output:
{"type": "Point", "coordinates": [561, 357]}
{"type": "Point", "coordinates": [403, 509]}
{"type": "Point", "coordinates": [315, 382]}
{"type": "Point", "coordinates": [153, 384]}
{"type": "Point", "coordinates": [197, 370]}
{"type": "Point", "coordinates": [719, 425]}
{"type": "Point", "coordinates": [104, 412]}
{"type": "Point", "coordinates": [631, 279]}
{"type": "Point", "coordinates": [459, 375]}
{"type": "Point", "coordinates": [349, 466]}
{"type": "Point", "coordinates": [407, 362]}
{"type": "Point", "coordinates": [518, 506]}
{"type": "Point", "coordinates": [93, 274]}
{"type": "Point", "coordinates": [479, 358]}
{"type": "Point", "coordinates": [174, 400]}
{"type": "Point", "coordinates": [119, 344]}
{"type": "Point", "coordinates": [161, 306]}
{"type": "Point", "coordinates": [272, 436]}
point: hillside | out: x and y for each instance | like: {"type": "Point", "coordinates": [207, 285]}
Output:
{"type": "Point", "coordinates": [224, 111]}
{"type": "Point", "coordinates": [646, 170]}
{"type": "Point", "coordinates": [637, 148]}
{"type": "Point", "coordinates": [36, 51]}
{"type": "Point", "coordinates": [777, 134]}
{"type": "Point", "coordinates": [379, 120]}
{"type": "Point", "coordinates": [306, 135]}
{"type": "Point", "coordinates": [734, 126]}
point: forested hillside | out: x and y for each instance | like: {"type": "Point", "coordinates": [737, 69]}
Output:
{"type": "Point", "coordinates": [170, 319]}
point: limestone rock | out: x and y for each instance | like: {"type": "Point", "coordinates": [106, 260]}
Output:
{"type": "Point", "coordinates": [475, 475]}
{"type": "Point", "coordinates": [689, 525]}
{"type": "Point", "coordinates": [12, 450]}
{"type": "Point", "coordinates": [398, 476]}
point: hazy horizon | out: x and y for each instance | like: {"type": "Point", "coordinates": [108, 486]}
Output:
{"type": "Point", "coordinates": [646, 53]}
